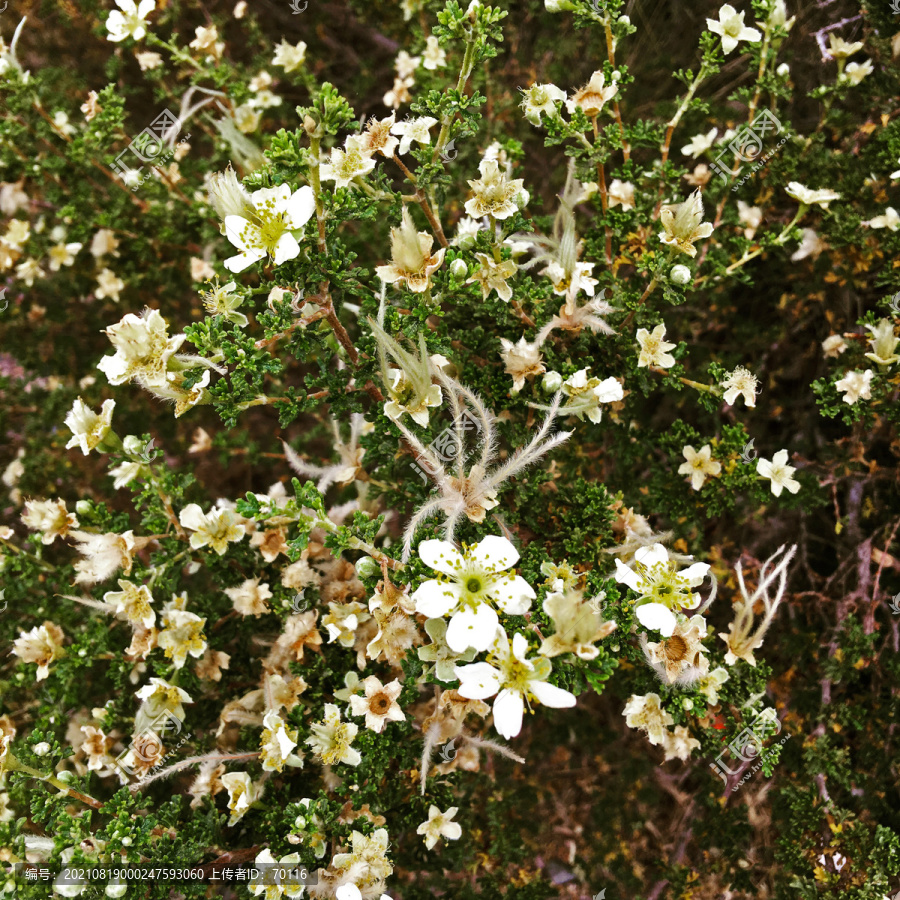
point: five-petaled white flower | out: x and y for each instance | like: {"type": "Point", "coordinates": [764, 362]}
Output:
{"type": "Point", "coordinates": [274, 888]}
{"type": "Point", "coordinates": [683, 224]}
{"type": "Point", "coordinates": [379, 705]}
{"type": "Point", "coordinates": [699, 465]}
{"type": "Point", "coordinates": [883, 342]}
{"type": "Point", "coordinates": [654, 349]}
{"type": "Point", "coordinates": [514, 679]}
{"type": "Point", "coordinates": [741, 382]}
{"type": "Point", "coordinates": [288, 56]}
{"type": "Point", "coordinates": [662, 587]}
{"type": "Point", "coordinates": [353, 161]}
{"type": "Point", "coordinates": [495, 194]}
{"type": "Point", "coordinates": [700, 143]}
{"type": "Point", "coordinates": [475, 581]}
{"type": "Point", "coordinates": [143, 349]}
{"type": "Point", "coordinates": [809, 197]}
{"type": "Point", "coordinates": [413, 130]}
{"type": "Point", "coordinates": [586, 394]}
{"type": "Point", "coordinates": [730, 26]}
{"type": "Point", "coordinates": [645, 713]}
{"type": "Point", "coordinates": [331, 739]}
{"type": "Point", "coordinates": [779, 472]}
{"type": "Point", "coordinates": [216, 528]}
{"type": "Point", "coordinates": [856, 386]}
{"type": "Point", "coordinates": [131, 21]}
{"type": "Point", "coordinates": [276, 216]}
{"type": "Point", "coordinates": [540, 100]}
{"type": "Point", "coordinates": [440, 825]}
{"type": "Point", "coordinates": [88, 428]}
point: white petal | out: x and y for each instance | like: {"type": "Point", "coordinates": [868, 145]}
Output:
{"type": "Point", "coordinates": [627, 576]}
{"type": "Point", "coordinates": [550, 695]}
{"type": "Point", "coordinates": [656, 617]}
{"type": "Point", "coordinates": [243, 260]}
{"type": "Point", "coordinates": [495, 554]}
{"type": "Point", "coordinates": [513, 595]}
{"type": "Point", "coordinates": [472, 628]}
{"type": "Point", "coordinates": [301, 206]}
{"type": "Point", "coordinates": [508, 710]}
{"type": "Point", "coordinates": [286, 248]}
{"type": "Point", "coordinates": [478, 681]}
{"type": "Point", "coordinates": [652, 555]}
{"type": "Point", "coordinates": [235, 226]}
{"type": "Point", "coordinates": [695, 573]}
{"type": "Point", "coordinates": [520, 647]}
{"type": "Point", "coordinates": [441, 556]}
{"type": "Point", "coordinates": [434, 599]}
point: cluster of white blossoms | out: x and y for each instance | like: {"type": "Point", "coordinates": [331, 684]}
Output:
{"type": "Point", "coordinates": [856, 385]}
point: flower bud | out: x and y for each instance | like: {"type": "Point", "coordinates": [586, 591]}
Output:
{"type": "Point", "coordinates": [41, 749]}
{"type": "Point", "coordinates": [680, 275]}
{"type": "Point", "coordinates": [366, 567]}
{"type": "Point", "coordinates": [83, 507]}
{"type": "Point", "coordinates": [624, 20]}
{"type": "Point", "coordinates": [552, 382]}
{"type": "Point", "coordinates": [558, 5]}
{"type": "Point", "coordinates": [133, 445]}
{"type": "Point", "coordinates": [458, 268]}
{"type": "Point", "coordinates": [466, 242]}
{"type": "Point", "coordinates": [783, 70]}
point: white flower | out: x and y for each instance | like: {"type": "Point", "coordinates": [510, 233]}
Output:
{"type": "Point", "coordinates": [41, 645]}
{"type": "Point", "coordinates": [434, 56]}
{"type": "Point", "coordinates": [493, 276]}
{"type": "Point", "coordinates": [699, 465]}
{"type": "Point", "coordinates": [331, 739]}
{"type": "Point", "coordinates": [439, 825]}
{"type": "Point", "coordinates": [541, 99]}
{"type": "Point", "coordinates": [88, 428]}
{"type": "Point", "coordinates": [884, 343]}
{"type": "Point", "coordinates": [143, 349]}
{"type": "Point", "coordinates": [889, 219]}
{"type": "Point", "coordinates": [241, 794]}
{"type": "Point", "coordinates": [353, 161]}
{"type": "Point", "coordinates": [678, 743]}
{"type": "Point", "coordinates": [277, 744]}
{"type": "Point", "coordinates": [495, 194]}
{"type": "Point", "coordinates": [278, 889]}
{"type": "Point", "coordinates": [741, 382]}
{"type": "Point", "coordinates": [855, 386]}
{"type": "Point", "coordinates": [288, 56]}
{"type": "Point", "coordinates": [841, 49]}
{"type": "Point", "coordinates": [654, 350]}
{"type": "Point", "coordinates": [833, 346]}
{"type": "Point", "coordinates": [406, 65]}
{"type": "Point", "coordinates": [513, 678]}
{"type": "Point", "coordinates": [621, 193]}
{"type": "Point", "coordinates": [104, 555]}
{"type": "Point", "coordinates": [810, 197]}
{"type": "Point", "coordinates": [412, 262]}
{"type": "Point", "coordinates": [730, 25]}
{"type": "Point", "coordinates": [521, 360]}
{"type": "Point", "coordinates": [683, 224]}
{"type": "Point", "coordinates": [181, 635]}
{"type": "Point", "coordinates": [277, 215]}
{"type": "Point", "coordinates": [216, 528]}
{"type": "Point", "coordinates": [50, 517]}
{"type": "Point", "coordinates": [593, 96]}
{"type": "Point", "coordinates": [855, 72]}
{"type": "Point", "coordinates": [413, 130]}
{"type": "Point", "coordinates": [63, 255]}
{"type": "Point", "coordinates": [379, 705]}
{"type": "Point", "coordinates": [132, 603]}
{"type": "Point", "coordinates": [475, 581]}
{"type": "Point", "coordinates": [779, 472]}
{"type": "Point", "coordinates": [662, 588]}
{"type": "Point", "coordinates": [109, 285]}
{"type": "Point", "coordinates": [131, 21]}
{"type": "Point", "coordinates": [810, 245]}
{"type": "Point", "coordinates": [160, 698]}
{"type": "Point", "coordinates": [645, 713]}
{"type": "Point", "coordinates": [586, 394]}
{"type": "Point", "coordinates": [750, 216]}
{"type": "Point", "coordinates": [700, 143]}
